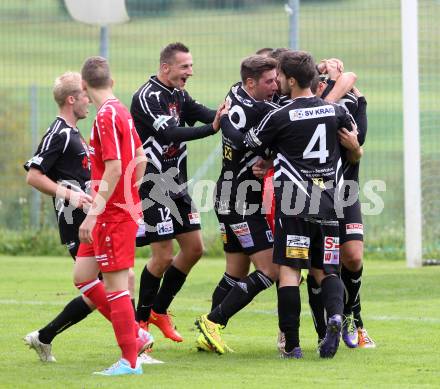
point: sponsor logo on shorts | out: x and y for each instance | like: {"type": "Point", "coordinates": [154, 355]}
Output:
{"type": "Point", "coordinates": [141, 230]}
{"type": "Point", "coordinates": [297, 246]}
{"type": "Point", "coordinates": [297, 252]}
{"type": "Point", "coordinates": [223, 233]}
{"type": "Point", "coordinates": [194, 218]}
{"type": "Point", "coordinates": [102, 259]}
{"type": "Point", "coordinates": [298, 241]}
{"type": "Point", "coordinates": [331, 243]}
{"type": "Point", "coordinates": [269, 236]}
{"type": "Point", "coordinates": [70, 245]}
{"type": "Point", "coordinates": [243, 233]}
{"type": "Point", "coordinates": [241, 229]}
{"type": "Point", "coordinates": [331, 250]}
{"type": "Point", "coordinates": [354, 228]}
{"type": "Point", "coordinates": [165, 227]}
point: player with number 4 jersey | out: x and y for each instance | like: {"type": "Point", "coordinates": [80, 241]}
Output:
{"type": "Point", "coordinates": [304, 135]}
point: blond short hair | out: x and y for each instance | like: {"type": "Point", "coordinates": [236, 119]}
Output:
{"type": "Point", "coordinates": [68, 84]}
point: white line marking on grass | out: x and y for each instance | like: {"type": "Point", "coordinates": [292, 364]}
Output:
{"type": "Point", "coordinates": [399, 318]}
{"type": "Point", "coordinates": [252, 311]}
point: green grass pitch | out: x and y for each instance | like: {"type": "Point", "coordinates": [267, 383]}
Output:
{"type": "Point", "coordinates": [400, 310]}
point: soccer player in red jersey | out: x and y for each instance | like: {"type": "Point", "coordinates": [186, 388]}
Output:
{"type": "Point", "coordinates": [108, 232]}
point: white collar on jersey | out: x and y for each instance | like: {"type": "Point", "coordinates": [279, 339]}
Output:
{"type": "Point", "coordinates": [247, 93]}
{"type": "Point", "coordinates": [304, 97]}
{"type": "Point", "coordinates": [67, 124]}
{"type": "Point", "coordinates": [163, 86]}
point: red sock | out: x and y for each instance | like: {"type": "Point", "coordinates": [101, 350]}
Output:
{"type": "Point", "coordinates": [95, 291]}
{"type": "Point", "coordinates": [124, 324]}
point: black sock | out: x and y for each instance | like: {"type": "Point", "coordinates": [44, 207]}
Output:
{"type": "Point", "coordinates": [357, 314]}
{"type": "Point", "coordinates": [148, 288]}
{"type": "Point", "coordinates": [240, 296]}
{"type": "Point", "coordinates": [75, 311]}
{"type": "Point", "coordinates": [352, 284]}
{"type": "Point", "coordinates": [316, 306]}
{"type": "Point", "coordinates": [173, 281]}
{"type": "Point", "coordinates": [289, 310]}
{"type": "Point", "coordinates": [224, 286]}
{"type": "Point", "coordinates": [332, 291]}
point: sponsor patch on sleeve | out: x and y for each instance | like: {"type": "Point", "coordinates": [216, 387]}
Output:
{"type": "Point", "coordinates": [331, 250]}
{"type": "Point", "coordinates": [297, 246]}
{"type": "Point", "coordinates": [35, 160]}
{"type": "Point", "coordinates": [251, 138]}
{"type": "Point", "coordinates": [354, 228]}
{"type": "Point", "coordinates": [160, 122]}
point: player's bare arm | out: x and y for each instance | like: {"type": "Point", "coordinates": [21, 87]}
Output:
{"type": "Point", "coordinates": [344, 82]}
{"type": "Point", "coordinates": [330, 65]}
{"type": "Point", "coordinates": [45, 185]}
{"type": "Point", "coordinates": [141, 164]}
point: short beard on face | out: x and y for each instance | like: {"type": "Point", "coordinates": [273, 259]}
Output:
{"type": "Point", "coordinates": [285, 90]}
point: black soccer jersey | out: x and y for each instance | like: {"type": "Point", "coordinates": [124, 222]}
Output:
{"type": "Point", "coordinates": [357, 107]}
{"type": "Point", "coordinates": [281, 100]}
{"type": "Point", "coordinates": [308, 167]}
{"type": "Point", "coordinates": [159, 113]}
{"type": "Point", "coordinates": [244, 113]}
{"type": "Point", "coordinates": [63, 156]}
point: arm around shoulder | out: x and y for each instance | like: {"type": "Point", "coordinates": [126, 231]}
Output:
{"type": "Point", "coordinates": [343, 84]}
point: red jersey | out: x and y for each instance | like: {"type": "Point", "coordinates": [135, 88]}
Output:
{"type": "Point", "coordinates": [115, 138]}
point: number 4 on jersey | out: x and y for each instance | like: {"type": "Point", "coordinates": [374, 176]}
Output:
{"type": "Point", "coordinates": [322, 152]}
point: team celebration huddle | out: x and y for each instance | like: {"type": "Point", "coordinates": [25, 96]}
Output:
{"type": "Point", "coordinates": [286, 199]}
